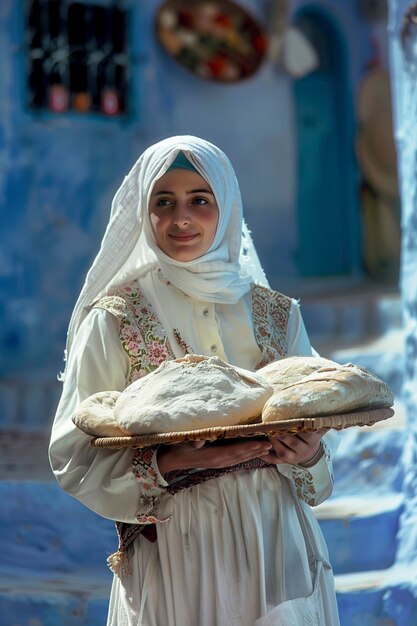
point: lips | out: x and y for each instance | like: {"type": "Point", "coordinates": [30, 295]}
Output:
{"type": "Point", "coordinates": [183, 238]}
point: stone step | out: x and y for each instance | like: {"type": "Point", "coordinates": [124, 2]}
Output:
{"type": "Point", "coordinates": [378, 598]}
{"type": "Point", "coordinates": [44, 530]}
{"type": "Point", "coordinates": [53, 568]}
{"type": "Point", "coordinates": [29, 401]}
{"type": "Point", "coordinates": [360, 531]}
{"type": "Point", "coordinates": [56, 601]}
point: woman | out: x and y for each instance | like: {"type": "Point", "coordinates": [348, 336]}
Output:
{"type": "Point", "coordinates": [209, 535]}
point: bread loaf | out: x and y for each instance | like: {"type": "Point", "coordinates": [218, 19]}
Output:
{"type": "Point", "coordinates": [95, 415]}
{"type": "Point", "coordinates": [313, 386]}
{"type": "Point", "coordinates": [191, 393]}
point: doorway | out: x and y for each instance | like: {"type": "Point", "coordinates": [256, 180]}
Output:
{"type": "Point", "coordinates": [327, 195]}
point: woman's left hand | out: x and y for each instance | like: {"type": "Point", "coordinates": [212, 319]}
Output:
{"type": "Point", "coordinates": [294, 449]}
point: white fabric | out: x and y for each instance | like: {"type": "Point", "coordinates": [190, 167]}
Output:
{"type": "Point", "coordinates": [127, 249]}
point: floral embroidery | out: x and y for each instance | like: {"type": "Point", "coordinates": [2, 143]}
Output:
{"type": "Point", "coordinates": [304, 484]}
{"type": "Point", "coordinates": [150, 490]}
{"type": "Point", "coordinates": [142, 335]}
{"type": "Point", "coordinates": [270, 319]}
{"type": "Point", "coordinates": [328, 457]}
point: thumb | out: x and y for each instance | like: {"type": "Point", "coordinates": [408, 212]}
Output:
{"type": "Point", "coordinates": [197, 444]}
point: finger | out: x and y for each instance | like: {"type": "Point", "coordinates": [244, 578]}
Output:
{"type": "Point", "coordinates": [279, 444]}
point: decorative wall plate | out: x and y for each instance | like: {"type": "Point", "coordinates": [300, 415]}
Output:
{"type": "Point", "coordinates": [215, 39]}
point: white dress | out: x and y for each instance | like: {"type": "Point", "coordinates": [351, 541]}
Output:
{"type": "Point", "coordinates": [232, 548]}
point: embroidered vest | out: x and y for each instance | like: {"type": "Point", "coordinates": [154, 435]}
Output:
{"type": "Point", "coordinates": [147, 346]}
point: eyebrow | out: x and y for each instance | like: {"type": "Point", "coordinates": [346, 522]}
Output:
{"type": "Point", "coordinates": [161, 193]}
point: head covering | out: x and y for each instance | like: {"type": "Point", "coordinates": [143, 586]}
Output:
{"type": "Point", "coordinates": [128, 249]}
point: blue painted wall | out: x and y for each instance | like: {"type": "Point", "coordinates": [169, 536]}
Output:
{"type": "Point", "coordinates": [58, 175]}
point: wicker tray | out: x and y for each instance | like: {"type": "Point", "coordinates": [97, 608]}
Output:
{"type": "Point", "coordinates": [338, 422]}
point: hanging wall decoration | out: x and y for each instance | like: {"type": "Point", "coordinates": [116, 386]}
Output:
{"type": "Point", "coordinates": [215, 39]}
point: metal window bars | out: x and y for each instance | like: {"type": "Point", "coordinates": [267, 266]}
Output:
{"type": "Point", "coordinates": [77, 57]}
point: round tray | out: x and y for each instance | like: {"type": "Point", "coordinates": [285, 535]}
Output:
{"type": "Point", "coordinates": [338, 422]}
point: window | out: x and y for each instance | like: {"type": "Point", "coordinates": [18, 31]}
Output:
{"type": "Point", "coordinates": [77, 57]}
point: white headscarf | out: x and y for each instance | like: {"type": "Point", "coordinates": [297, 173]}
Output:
{"type": "Point", "coordinates": [128, 249]}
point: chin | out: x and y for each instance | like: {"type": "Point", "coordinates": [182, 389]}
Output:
{"type": "Point", "coordinates": [184, 257]}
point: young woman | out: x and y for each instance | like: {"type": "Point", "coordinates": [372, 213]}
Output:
{"type": "Point", "coordinates": [209, 535]}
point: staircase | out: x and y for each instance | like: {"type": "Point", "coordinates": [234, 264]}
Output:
{"type": "Point", "coordinates": [361, 519]}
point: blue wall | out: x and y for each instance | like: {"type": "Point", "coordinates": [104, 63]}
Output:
{"type": "Point", "coordinates": [59, 173]}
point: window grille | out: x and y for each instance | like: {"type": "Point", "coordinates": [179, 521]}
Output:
{"type": "Point", "coordinates": [77, 56]}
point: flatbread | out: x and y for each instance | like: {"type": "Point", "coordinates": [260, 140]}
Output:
{"type": "Point", "coordinates": [95, 415]}
{"type": "Point", "coordinates": [190, 393]}
{"type": "Point", "coordinates": [313, 386]}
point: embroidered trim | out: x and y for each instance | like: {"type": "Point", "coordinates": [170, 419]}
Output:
{"type": "Point", "coordinates": [304, 484]}
{"type": "Point", "coordinates": [271, 312]}
{"type": "Point", "coordinates": [185, 480]}
{"type": "Point", "coordinates": [150, 490]}
{"type": "Point", "coordinates": [142, 335]}
{"type": "Point", "coordinates": [182, 343]}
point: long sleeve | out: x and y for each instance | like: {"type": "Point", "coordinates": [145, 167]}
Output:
{"type": "Point", "coordinates": [101, 479]}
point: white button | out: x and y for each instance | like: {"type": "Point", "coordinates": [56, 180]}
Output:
{"type": "Point", "coordinates": [205, 312]}
{"type": "Point", "coordinates": [213, 348]}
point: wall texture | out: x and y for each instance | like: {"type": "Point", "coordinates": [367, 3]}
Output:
{"type": "Point", "coordinates": [404, 72]}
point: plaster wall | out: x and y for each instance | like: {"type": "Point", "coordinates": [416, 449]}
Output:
{"type": "Point", "coordinates": [404, 71]}
{"type": "Point", "coordinates": [59, 173]}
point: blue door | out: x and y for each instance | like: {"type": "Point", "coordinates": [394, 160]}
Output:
{"type": "Point", "coordinates": [327, 207]}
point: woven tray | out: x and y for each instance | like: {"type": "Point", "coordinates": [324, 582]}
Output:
{"type": "Point", "coordinates": [338, 422]}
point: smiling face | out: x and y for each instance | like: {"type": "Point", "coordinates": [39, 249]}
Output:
{"type": "Point", "coordinates": [184, 214]}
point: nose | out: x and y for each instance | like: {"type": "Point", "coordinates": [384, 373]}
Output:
{"type": "Point", "coordinates": [181, 214]}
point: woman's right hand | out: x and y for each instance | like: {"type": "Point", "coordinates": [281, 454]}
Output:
{"type": "Point", "coordinates": [195, 454]}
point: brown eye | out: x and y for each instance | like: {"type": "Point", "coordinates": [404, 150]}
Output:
{"type": "Point", "coordinates": [164, 202]}
{"type": "Point", "coordinates": [200, 201]}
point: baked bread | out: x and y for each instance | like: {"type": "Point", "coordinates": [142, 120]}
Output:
{"type": "Point", "coordinates": [191, 393]}
{"type": "Point", "coordinates": [308, 386]}
{"type": "Point", "coordinates": [95, 415]}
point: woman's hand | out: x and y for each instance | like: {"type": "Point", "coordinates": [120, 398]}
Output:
{"type": "Point", "coordinates": [194, 454]}
{"type": "Point", "coordinates": [294, 449]}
